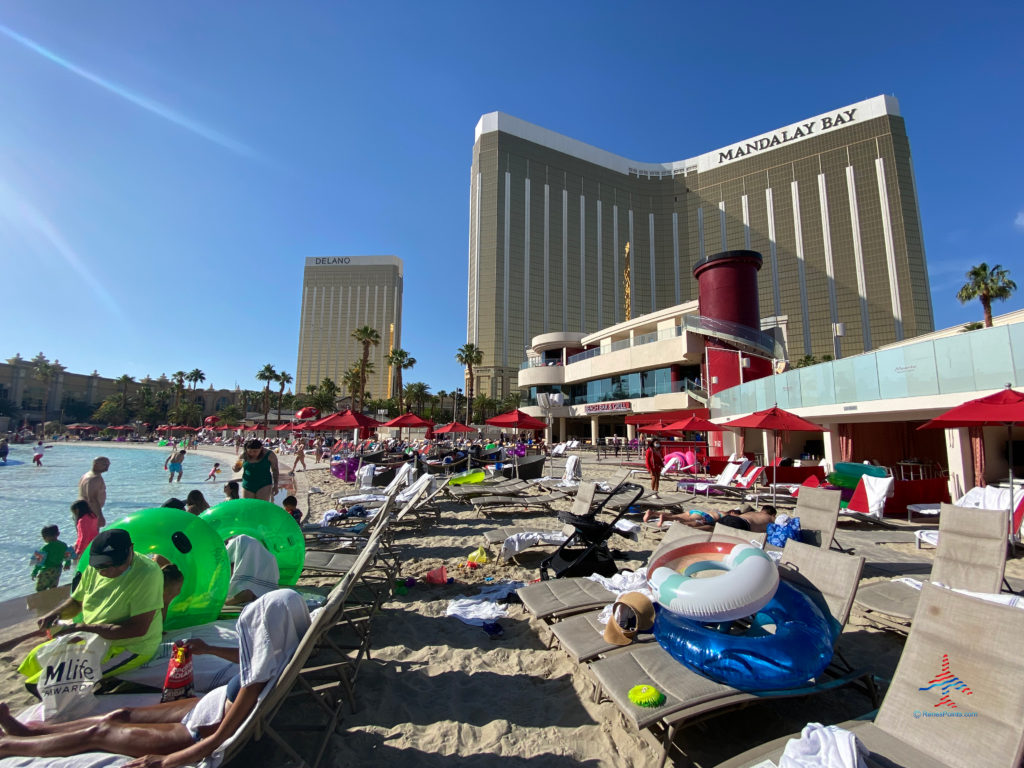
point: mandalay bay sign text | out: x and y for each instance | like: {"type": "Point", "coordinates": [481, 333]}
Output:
{"type": "Point", "coordinates": [805, 129]}
{"type": "Point", "coordinates": [787, 135]}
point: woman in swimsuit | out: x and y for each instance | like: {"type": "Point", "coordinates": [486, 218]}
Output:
{"type": "Point", "coordinates": [259, 472]}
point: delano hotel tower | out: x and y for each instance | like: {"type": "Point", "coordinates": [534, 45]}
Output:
{"type": "Point", "coordinates": [829, 201]}
{"type": "Point", "coordinates": [339, 295]}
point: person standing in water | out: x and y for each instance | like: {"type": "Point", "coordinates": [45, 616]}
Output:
{"type": "Point", "coordinates": [259, 472]}
{"type": "Point", "coordinates": [92, 488]}
{"type": "Point", "coordinates": [173, 463]}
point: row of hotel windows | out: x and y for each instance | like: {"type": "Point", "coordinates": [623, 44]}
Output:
{"type": "Point", "coordinates": [623, 387]}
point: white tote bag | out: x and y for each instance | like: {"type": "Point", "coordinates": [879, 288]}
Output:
{"type": "Point", "coordinates": [72, 666]}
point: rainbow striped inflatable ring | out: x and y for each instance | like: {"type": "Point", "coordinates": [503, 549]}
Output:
{"type": "Point", "coordinates": [748, 583]}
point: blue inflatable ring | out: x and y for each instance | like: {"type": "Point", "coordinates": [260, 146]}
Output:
{"type": "Point", "coordinates": [799, 649]}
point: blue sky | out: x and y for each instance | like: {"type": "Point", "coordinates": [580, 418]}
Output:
{"type": "Point", "coordinates": [165, 168]}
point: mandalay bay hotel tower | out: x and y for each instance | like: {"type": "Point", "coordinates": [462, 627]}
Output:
{"type": "Point", "coordinates": [339, 295]}
{"type": "Point", "coordinates": [829, 201]}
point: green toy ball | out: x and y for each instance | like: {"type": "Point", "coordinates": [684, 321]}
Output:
{"type": "Point", "coordinates": [271, 525]}
{"type": "Point", "coordinates": [194, 547]}
{"type": "Point", "coordinates": [646, 696]}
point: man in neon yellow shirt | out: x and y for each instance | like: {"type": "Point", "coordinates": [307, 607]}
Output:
{"type": "Point", "coordinates": [120, 597]}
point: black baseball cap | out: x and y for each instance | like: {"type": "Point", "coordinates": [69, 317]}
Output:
{"type": "Point", "coordinates": [110, 548]}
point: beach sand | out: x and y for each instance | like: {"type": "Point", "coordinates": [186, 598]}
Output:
{"type": "Point", "coordinates": [438, 692]}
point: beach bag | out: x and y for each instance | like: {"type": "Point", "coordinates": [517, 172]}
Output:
{"type": "Point", "coordinates": [72, 666]}
{"type": "Point", "coordinates": [783, 528]}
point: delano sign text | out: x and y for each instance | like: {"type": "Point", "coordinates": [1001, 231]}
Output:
{"type": "Point", "coordinates": [781, 137]}
{"type": "Point", "coordinates": [331, 260]}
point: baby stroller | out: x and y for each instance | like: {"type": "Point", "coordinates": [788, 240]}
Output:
{"type": "Point", "coordinates": [586, 551]}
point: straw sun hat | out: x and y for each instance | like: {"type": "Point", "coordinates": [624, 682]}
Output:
{"type": "Point", "coordinates": [632, 613]}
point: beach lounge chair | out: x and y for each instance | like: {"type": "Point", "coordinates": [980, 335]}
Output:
{"type": "Point", "coordinates": [829, 578]}
{"type": "Point", "coordinates": [502, 487]}
{"type": "Point", "coordinates": [971, 555]}
{"type": "Point", "coordinates": [726, 479]}
{"type": "Point", "coordinates": [987, 497]}
{"type": "Point", "coordinates": [490, 505]}
{"type": "Point", "coordinates": [818, 510]}
{"type": "Point", "coordinates": [400, 478]}
{"type": "Point", "coordinates": [953, 702]}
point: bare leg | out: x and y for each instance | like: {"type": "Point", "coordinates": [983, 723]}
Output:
{"type": "Point", "coordinates": [168, 712]}
{"type": "Point", "coordinates": [647, 515]}
{"type": "Point", "coordinates": [119, 738]}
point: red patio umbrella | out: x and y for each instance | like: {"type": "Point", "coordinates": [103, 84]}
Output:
{"type": "Point", "coordinates": [210, 420]}
{"type": "Point", "coordinates": [776, 420]}
{"type": "Point", "coordinates": [308, 412]}
{"type": "Point", "coordinates": [694, 424]}
{"type": "Point", "coordinates": [1002, 409]}
{"type": "Point", "coordinates": [347, 420]}
{"type": "Point", "coordinates": [517, 420]}
{"type": "Point", "coordinates": [454, 427]}
{"type": "Point", "coordinates": [407, 420]}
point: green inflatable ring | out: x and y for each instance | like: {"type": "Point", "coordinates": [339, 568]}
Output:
{"type": "Point", "coordinates": [275, 529]}
{"type": "Point", "coordinates": [842, 480]}
{"type": "Point", "coordinates": [192, 545]}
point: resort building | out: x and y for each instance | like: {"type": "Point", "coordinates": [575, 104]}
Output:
{"type": "Point", "coordinates": [829, 201]}
{"type": "Point", "coordinates": [339, 295]}
{"type": "Point", "coordinates": [72, 397]}
{"type": "Point", "coordinates": [659, 366]}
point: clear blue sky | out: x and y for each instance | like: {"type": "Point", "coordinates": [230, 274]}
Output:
{"type": "Point", "coordinates": [165, 168]}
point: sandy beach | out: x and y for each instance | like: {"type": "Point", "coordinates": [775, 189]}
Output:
{"type": "Point", "coordinates": [438, 692]}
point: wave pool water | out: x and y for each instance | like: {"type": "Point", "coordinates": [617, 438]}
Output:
{"type": "Point", "coordinates": [31, 496]}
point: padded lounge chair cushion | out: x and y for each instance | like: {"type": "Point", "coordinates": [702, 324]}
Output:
{"type": "Point", "coordinates": [548, 598]}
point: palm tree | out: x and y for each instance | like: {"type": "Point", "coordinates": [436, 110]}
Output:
{"type": "Point", "coordinates": [987, 285]}
{"type": "Point", "coordinates": [284, 379]}
{"type": "Point", "coordinates": [231, 414]}
{"type": "Point", "coordinates": [178, 377]}
{"type": "Point", "coordinates": [266, 374]}
{"type": "Point", "coordinates": [417, 392]}
{"type": "Point", "coordinates": [325, 396]}
{"type": "Point", "coordinates": [195, 376]}
{"type": "Point", "coordinates": [400, 360]}
{"type": "Point", "coordinates": [368, 337]}
{"type": "Point", "coordinates": [45, 372]}
{"type": "Point", "coordinates": [469, 355]}
{"type": "Point", "coordinates": [483, 405]}
{"type": "Point", "coordinates": [352, 380]}
{"type": "Point", "coordinates": [124, 380]}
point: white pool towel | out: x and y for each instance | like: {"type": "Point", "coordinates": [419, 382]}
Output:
{"type": "Point", "coordinates": [518, 542]}
{"type": "Point", "coordinates": [620, 584]}
{"type": "Point", "coordinates": [482, 609]}
{"type": "Point", "coordinates": [821, 746]}
{"type": "Point", "coordinates": [253, 568]}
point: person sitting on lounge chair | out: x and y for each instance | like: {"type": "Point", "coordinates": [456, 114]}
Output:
{"type": "Point", "coordinates": [745, 519]}
{"type": "Point", "coordinates": [187, 730]}
{"type": "Point", "coordinates": [254, 570]}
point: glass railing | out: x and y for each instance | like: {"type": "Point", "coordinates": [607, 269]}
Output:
{"type": "Point", "coordinates": [615, 346]}
{"type": "Point", "coordinates": [988, 358]}
{"type": "Point", "coordinates": [585, 355]}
